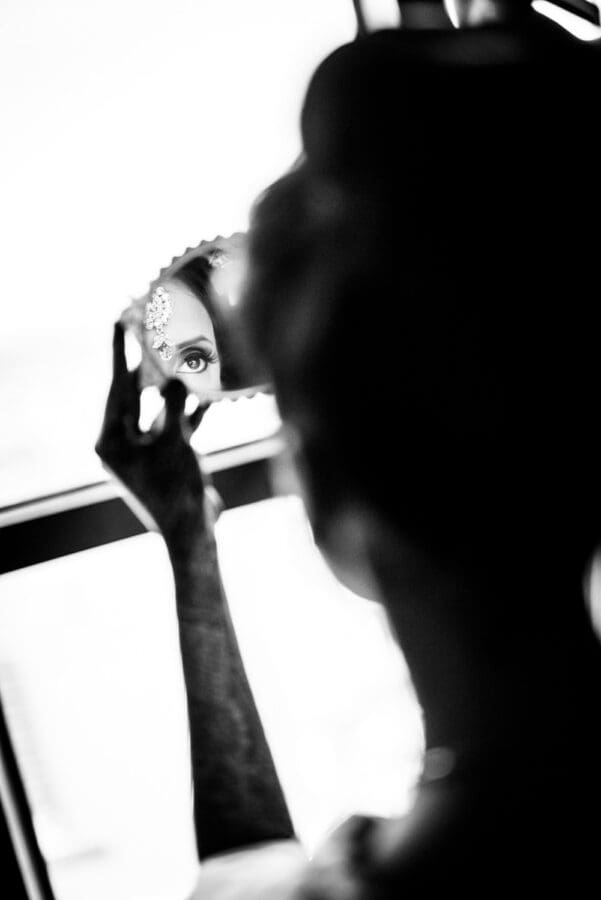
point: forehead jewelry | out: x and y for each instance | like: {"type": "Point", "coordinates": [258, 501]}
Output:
{"type": "Point", "coordinates": [218, 258]}
{"type": "Point", "coordinates": [157, 313]}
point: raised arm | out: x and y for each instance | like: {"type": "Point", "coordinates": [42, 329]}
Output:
{"type": "Point", "coordinates": [238, 800]}
{"type": "Point", "coordinates": [237, 796]}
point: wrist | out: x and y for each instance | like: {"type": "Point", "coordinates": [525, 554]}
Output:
{"type": "Point", "coordinates": [192, 550]}
{"type": "Point", "coordinates": [184, 522]}
{"type": "Point", "coordinates": [188, 540]}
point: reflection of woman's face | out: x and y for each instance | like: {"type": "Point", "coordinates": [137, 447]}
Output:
{"type": "Point", "coordinates": [195, 359]}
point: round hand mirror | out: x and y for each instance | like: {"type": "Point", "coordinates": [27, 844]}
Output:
{"type": "Point", "coordinates": [188, 325]}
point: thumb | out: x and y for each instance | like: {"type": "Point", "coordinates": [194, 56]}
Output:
{"type": "Point", "coordinates": [174, 393]}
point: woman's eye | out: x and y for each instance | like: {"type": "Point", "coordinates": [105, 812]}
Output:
{"type": "Point", "coordinates": [194, 362]}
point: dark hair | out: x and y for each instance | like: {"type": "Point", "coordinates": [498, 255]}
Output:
{"type": "Point", "coordinates": [420, 287]}
{"type": "Point", "coordinates": [195, 275]}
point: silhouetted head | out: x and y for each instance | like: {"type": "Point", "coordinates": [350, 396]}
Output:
{"type": "Point", "coordinates": [423, 288]}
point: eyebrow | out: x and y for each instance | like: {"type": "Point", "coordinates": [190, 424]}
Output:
{"type": "Point", "coordinates": [193, 340]}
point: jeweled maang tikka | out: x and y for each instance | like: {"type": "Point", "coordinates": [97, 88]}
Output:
{"type": "Point", "coordinates": [158, 309]}
{"type": "Point", "coordinates": [157, 313]}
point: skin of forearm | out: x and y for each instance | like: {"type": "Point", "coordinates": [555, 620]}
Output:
{"type": "Point", "coordinates": [238, 800]}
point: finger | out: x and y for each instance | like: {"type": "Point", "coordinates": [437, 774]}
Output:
{"type": "Point", "coordinates": [135, 391]}
{"type": "Point", "coordinates": [174, 394]}
{"type": "Point", "coordinates": [158, 424]}
{"type": "Point", "coordinates": [124, 394]}
{"type": "Point", "coordinates": [196, 417]}
{"type": "Point", "coordinates": [119, 360]}
{"type": "Point", "coordinates": [214, 504]}
{"type": "Point", "coordinates": [122, 410]}
{"type": "Point", "coordinates": [190, 423]}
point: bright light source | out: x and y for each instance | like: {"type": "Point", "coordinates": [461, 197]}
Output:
{"type": "Point", "coordinates": [381, 14]}
{"type": "Point", "coordinates": [581, 29]}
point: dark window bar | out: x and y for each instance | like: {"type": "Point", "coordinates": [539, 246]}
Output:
{"type": "Point", "coordinates": [24, 872]}
{"type": "Point", "coordinates": [51, 527]}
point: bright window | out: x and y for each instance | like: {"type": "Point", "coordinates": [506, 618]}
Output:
{"type": "Point", "coordinates": [132, 129]}
{"type": "Point", "coordinates": [91, 679]}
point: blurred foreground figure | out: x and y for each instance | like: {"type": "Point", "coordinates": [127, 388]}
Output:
{"type": "Point", "coordinates": [423, 289]}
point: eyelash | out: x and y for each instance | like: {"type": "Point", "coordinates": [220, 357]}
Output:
{"type": "Point", "coordinates": [208, 357]}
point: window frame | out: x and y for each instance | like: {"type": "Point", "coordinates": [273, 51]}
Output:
{"type": "Point", "coordinates": [27, 872]}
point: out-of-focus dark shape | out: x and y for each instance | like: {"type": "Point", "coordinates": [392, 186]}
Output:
{"type": "Point", "coordinates": [423, 14]}
{"type": "Point", "coordinates": [373, 15]}
{"type": "Point", "coordinates": [388, 103]}
{"type": "Point", "coordinates": [444, 190]}
{"type": "Point", "coordinates": [423, 288]}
